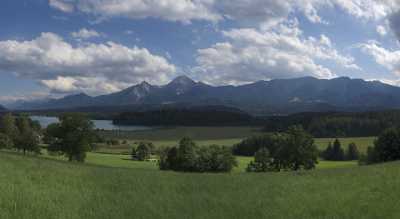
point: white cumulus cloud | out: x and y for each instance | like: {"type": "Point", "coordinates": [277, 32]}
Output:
{"type": "Point", "coordinates": [62, 5]}
{"type": "Point", "coordinates": [283, 52]}
{"type": "Point", "coordinates": [390, 59]}
{"type": "Point", "coordinates": [86, 34]}
{"type": "Point", "coordinates": [251, 12]}
{"type": "Point", "coordinates": [50, 59]}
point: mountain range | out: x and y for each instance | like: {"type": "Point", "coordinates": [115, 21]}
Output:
{"type": "Point", "coordinates": [280, 96]}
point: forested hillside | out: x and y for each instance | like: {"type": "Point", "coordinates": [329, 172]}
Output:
{"type": "Point", "coordinates": [337, 124]}
{"type": "Point", "coordinates": [198, 116]}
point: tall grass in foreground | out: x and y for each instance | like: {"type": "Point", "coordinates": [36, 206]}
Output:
{"type": "Point", "coordinates": [41, 188]}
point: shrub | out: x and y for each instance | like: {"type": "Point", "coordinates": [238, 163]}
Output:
{"type": "Point", "coordinates": [215, 159]}
{"type": "Point", "coordinates": [291, 150]}
{"type": "Point", "coordinates": [249, 146]}
{"type": "Point", "coordinates": [262, 162]}
{"type": "Point", "coordinates": [298, 151]}
{"type": "Point", "coordinates": [169, 159]}
{"type": "Point", "coordinates": [386, 148]}
{"type": "Point", "coordinates": [188, 157]}
{"type": "Point", "coordinates": [142, 152]}
{"type": "Point", "coordinates": [112, 142]}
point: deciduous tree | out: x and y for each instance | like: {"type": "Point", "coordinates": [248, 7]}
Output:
{"type": "Point", "coordinates": [73, 136]}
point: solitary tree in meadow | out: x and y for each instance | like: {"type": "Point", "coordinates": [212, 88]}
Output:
{"type": "Point", "coordinates": [73, 136]}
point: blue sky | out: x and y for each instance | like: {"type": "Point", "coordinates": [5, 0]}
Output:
{"type": "Point", "coordinates": [60, 47]}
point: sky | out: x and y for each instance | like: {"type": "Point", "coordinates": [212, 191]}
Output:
{"type": "Point", "coordinates": [53, 48]}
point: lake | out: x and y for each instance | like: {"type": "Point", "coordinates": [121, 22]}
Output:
{"type": "Point", "coordinates": [98, 124]}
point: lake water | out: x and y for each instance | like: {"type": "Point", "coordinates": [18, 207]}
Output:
{"type": "Point", "coordinates": [98, 124]}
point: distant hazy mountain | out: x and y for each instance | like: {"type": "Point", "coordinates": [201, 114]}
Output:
{"type": "Point", "coordinates": [2, 108]}
{"type": "Point", "coordinates": [263, 97]}
{"type": "Point", "coordinates": [132, 95]}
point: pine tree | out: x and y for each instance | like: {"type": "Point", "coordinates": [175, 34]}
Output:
{"type": "Point", "coordinates": [337, 152]}
{"type": "Point", "coordinates": [328, 153]}
{"type": "Point", "coordinates": [352, 152]}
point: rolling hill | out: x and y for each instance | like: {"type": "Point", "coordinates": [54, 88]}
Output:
{"type": "Point", "coordinates": [280, 96]}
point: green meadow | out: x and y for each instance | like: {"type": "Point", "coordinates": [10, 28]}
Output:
{"type": "Point", "coordinates": [43, 188]}
{"type": "Point", "coordinates": [118, 155]}
{"type": "Point", "coordinates": [111, 185]}
{"type": "Point", "coordinates": [226, 136]}
{"type": "Point", "coordinates": [125, 161]}
{"type": "Point", "coordinates": [176, 133]}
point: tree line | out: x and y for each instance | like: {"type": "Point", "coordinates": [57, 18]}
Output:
{"type": "Point", "coordinates": [186, 117]}
{"type": "Point", "coordinates": [293, 149]}
{"type": "Point", "coordinates": [359, 124]}
{"type": "Point", "coordinates": [20, 134]}
{"type": "Point", "coordinates": [335, 152]}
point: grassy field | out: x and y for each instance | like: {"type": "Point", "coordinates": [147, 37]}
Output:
{"type": "Point", "coordinates": [117, 156]}
{"type": "Point", "coordinates": [162, 137]}
{"type": "Point", "coordinates": [124, 161]}
{"type": "Point", "coordinates": [41, 188]}
{"type": "Point", "coordinates": [176, 133]}
{"type": "Point", "coordinates": [361, 142]}
{"type": "Point", "coordinates": [226, 136]}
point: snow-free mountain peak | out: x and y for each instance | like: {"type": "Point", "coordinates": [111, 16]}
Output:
{"type": "Point", "coordinates": [263, 97]}
{"type": "Point", "coordinates": [183, 81]}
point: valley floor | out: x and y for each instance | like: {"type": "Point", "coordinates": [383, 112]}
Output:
{"type": "Point", "coordinates": [111, 185]}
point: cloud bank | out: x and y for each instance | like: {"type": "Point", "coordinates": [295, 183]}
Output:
{"type": "Point", "coordinates": [61, 66]}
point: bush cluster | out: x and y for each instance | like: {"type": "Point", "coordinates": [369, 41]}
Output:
{"type": "Point", "coordinates": [263, 162]}
{"type": "Point", "coordinates": [143, 151]}
{"type": "Point", "coordinates": [386, 148]}
{"type": "Point", "coordinates": [291, 150]}
{"type": "Point", "coordinates": [188, 157]}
